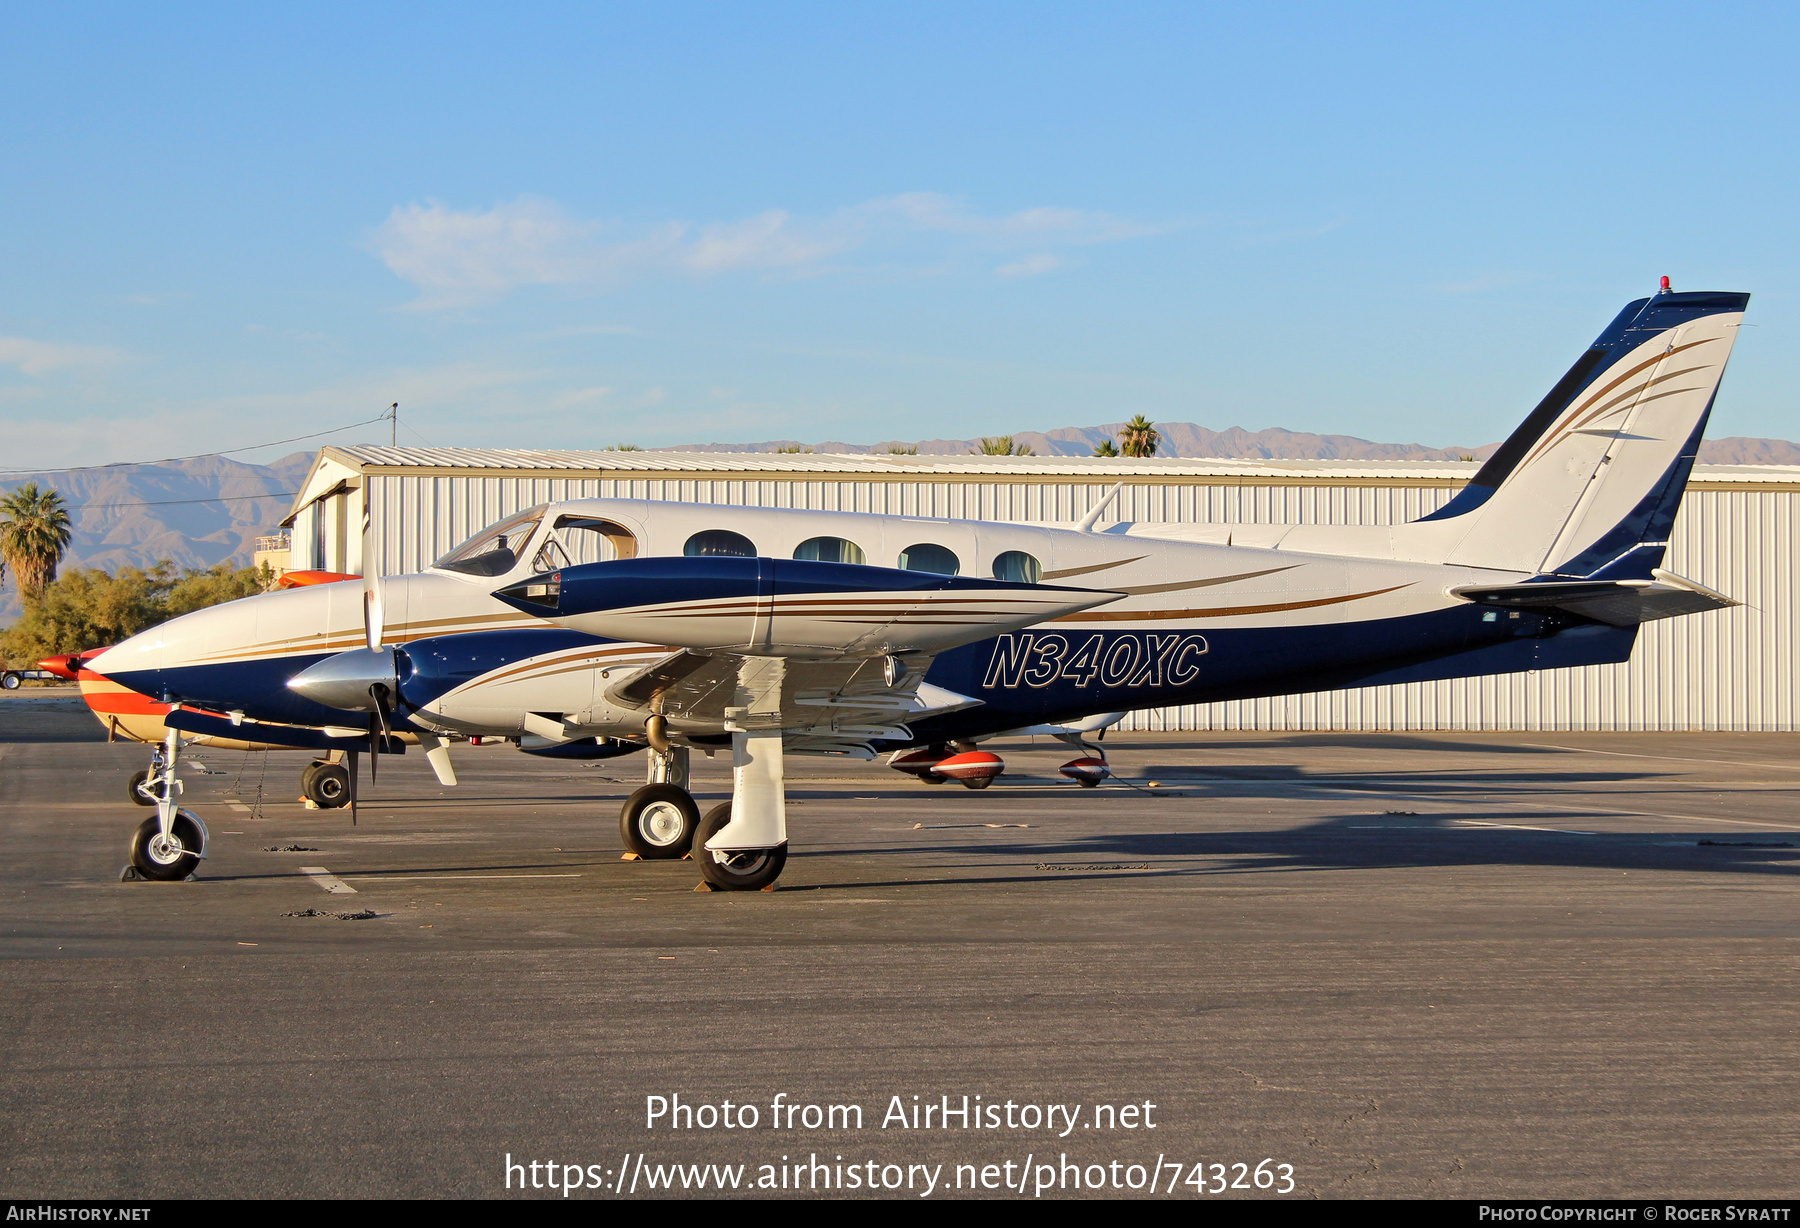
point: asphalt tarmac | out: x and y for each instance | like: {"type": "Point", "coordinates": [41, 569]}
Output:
{"type": "Point", "coordinates": [1434, 964]}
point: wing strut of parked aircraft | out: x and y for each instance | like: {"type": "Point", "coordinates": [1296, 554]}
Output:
{"type": "Point", "coordinates": [597, 627]}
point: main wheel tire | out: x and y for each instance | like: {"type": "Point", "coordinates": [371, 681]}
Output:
{"type": "Point", "coordinates": [1088, 782]}
{"type": "Point", "coordinates": [9, 680]}
{"type": "Point", "coordinates": [978, 782]}
{"type": "Point", "coordinates": [745, 870]}
{"type": "Point", "coordinates": [170, 862]}
{"type": "Point", "coordinates": [329, 786]}
{"type": "Point", "coordinates": [932, 778]}
{"type": "Point", "coordinates": [136, 788]}
{"type": "Point", "coordinates": [658, 821]}
{"type": "Point", "coordinates": [306, 776]}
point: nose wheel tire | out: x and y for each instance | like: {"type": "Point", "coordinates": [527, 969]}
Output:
{"type": "Point", "coordinates": [740, 869]}
{"type": "Point", "coordinates": [136, 788]}
{"type": "Point", "coordinates": [326, 785]}
{"type": "Point", "coordinates": [658, 821]}
{"type": "Point", "coordinates": [168, 860]}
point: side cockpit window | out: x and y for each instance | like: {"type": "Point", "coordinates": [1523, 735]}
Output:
{"type": "Point", "coordinates": [589, 539]}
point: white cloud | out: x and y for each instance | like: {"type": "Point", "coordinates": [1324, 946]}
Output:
{"type": "Point", "coordinates": [1031, 266]}
{"type": "Point", "coordinates": [458, 257]}
{"type": "Point", "coordinates": [37, 358]}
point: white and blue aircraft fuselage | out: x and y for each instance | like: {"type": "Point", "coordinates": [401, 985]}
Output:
{"type": "Point", "coordinates": [601, 625]}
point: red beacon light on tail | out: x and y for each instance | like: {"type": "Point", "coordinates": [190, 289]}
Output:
{"type": "Point", "coordinates": [1666, 287]}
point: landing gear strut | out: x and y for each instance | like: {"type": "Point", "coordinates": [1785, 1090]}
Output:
{"type": "Point", "coordinates": [742, 844]}
{"type": "Point", "coordinates": [169, 846]}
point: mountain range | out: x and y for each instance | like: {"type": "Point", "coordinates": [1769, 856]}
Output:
{"type": "Point", "coordinates": [204, 510]}
{"type": "Point", "coordinates": [195, 513]}
{"type": "Point", "coordinates": [1186, 439]}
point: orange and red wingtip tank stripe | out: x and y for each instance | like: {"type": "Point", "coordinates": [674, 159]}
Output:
{"type": "Point", "coordinates": [300, 579]}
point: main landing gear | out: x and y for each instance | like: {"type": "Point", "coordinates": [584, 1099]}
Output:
{"type": "Point", "coordinates": [740, 845]}
{"type": "Point", "coordinates": [170, 845]}
{"type": "Point", "coordinates": [658, 821]}
{"type": "Point", "coordinates": [325, 784]}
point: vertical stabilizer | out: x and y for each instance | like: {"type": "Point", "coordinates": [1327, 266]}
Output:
{"type": "Point", "coordinates": [1590, 483]}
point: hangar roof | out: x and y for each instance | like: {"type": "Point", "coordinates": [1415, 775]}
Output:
{"type": "Point", "coordinates": [337, 464]}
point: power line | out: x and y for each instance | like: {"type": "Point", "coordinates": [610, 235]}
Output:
{"type": "Point", "coordinates": [249, 447]}
{"type": "Point", "coordinates": [102, 507]}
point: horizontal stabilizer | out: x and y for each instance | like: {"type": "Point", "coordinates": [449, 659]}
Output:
{"type": "Point", "coordinates": [1620, 603]}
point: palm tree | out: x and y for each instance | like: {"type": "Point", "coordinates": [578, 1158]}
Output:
{"type": "Point", "coordinates": [33, 536]}
{"type": "Point", "coordinates": [1001, 445]}
{"type": "Point", "coordinates": [1139, 437]}
{"type": "Point", "coordinates": [1106, 447]}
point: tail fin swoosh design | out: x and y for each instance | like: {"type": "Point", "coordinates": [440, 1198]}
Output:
{"type": "Point", "coordinates": [1590, 482]}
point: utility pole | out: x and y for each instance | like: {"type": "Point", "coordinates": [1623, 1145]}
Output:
{"type": "Point", "coordinates": [393, 416]}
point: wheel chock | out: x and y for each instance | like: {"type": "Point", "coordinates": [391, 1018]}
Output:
{"type": "Point", "coordinates": [770, 887]}
{"type": "Point", "coordinates": [629, 857]}
{"type": "Point", "coordinates": [129, 874]}
{"type": "Point", "coordinates": [705, 886]}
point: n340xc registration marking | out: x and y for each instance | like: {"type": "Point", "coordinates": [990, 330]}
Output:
{"type": "Point", "coordinates": [1039, 658]}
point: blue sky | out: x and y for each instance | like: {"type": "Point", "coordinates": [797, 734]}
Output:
{"type": "Point", "coordinates": [664, 223]}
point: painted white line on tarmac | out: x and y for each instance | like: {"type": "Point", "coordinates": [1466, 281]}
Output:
{"type": "Point", "coordinates": [1625, 754]}
{"type": "Point", "coordinates": [446, 878]}
{"type": "Point", "coordinates": [239, 807]}
{"type": "Point", "coordinates": [328, 882]}
{"type": "Point", "coordinates": [1561, 831]}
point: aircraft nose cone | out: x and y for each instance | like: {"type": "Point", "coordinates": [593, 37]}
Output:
{"type": "Point", "coordinates": [343, 681]}
{"type": "Point", "coordinates": [140, 652]}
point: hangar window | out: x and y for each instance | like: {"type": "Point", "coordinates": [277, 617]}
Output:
{"type": "Point", "coordinates": [710, 542]}
{"type": "Point", "coordinates": [1018, 567]}
{"type": "Point", "coordinates": [495, 550]}
{"type": "Point", "coordinates": [927, 556]}
{"type": "Point", "coordinates": [829, 550]}
{"type": "Point", "coordinates": [587, 539]}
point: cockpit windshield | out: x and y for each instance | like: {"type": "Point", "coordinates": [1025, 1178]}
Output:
{"type": "Point", "coordinates": [495, 550]}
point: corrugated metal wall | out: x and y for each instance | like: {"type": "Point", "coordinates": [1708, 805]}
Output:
{"type": "Point", "coordinates": [1725, 670]}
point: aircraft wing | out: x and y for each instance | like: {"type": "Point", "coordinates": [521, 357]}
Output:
{"type": "Point", "coordinates": [1620, 603]}
{"type": "Point", "coordinates": [836, 706]}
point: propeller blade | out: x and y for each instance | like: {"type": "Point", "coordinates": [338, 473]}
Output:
{"type": "Point", "coordinates": [372, 612]}
{"type": "Point", "coordinates": [352, 756]}
{"type": "Point", "coordinates": [437, 754]}
{"type": "Point", "coordinates": [380, 728]}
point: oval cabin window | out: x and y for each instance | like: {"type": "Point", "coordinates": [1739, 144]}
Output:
{"type": "Point", "coordinates": [1018, 567]}
{"type": "Point", "coordinates": [713, 542]}
{"type": "Point", "coordinates": [829, 550]}
{"type": "Point", "coordinates": [928, 556]}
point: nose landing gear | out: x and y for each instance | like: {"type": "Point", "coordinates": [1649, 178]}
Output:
{"type": "Point", "coordinates": [170, 845]}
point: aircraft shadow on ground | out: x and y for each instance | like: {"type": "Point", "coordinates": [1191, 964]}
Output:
{"type": "Point", "coordinates": [1336, 843]}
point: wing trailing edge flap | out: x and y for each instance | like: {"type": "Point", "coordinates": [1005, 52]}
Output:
{"type": "Point", "coordinates": [1619, 603]}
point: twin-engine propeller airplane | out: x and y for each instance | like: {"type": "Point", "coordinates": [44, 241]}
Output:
{"type": "Point", "coordinates": [776, 632]}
